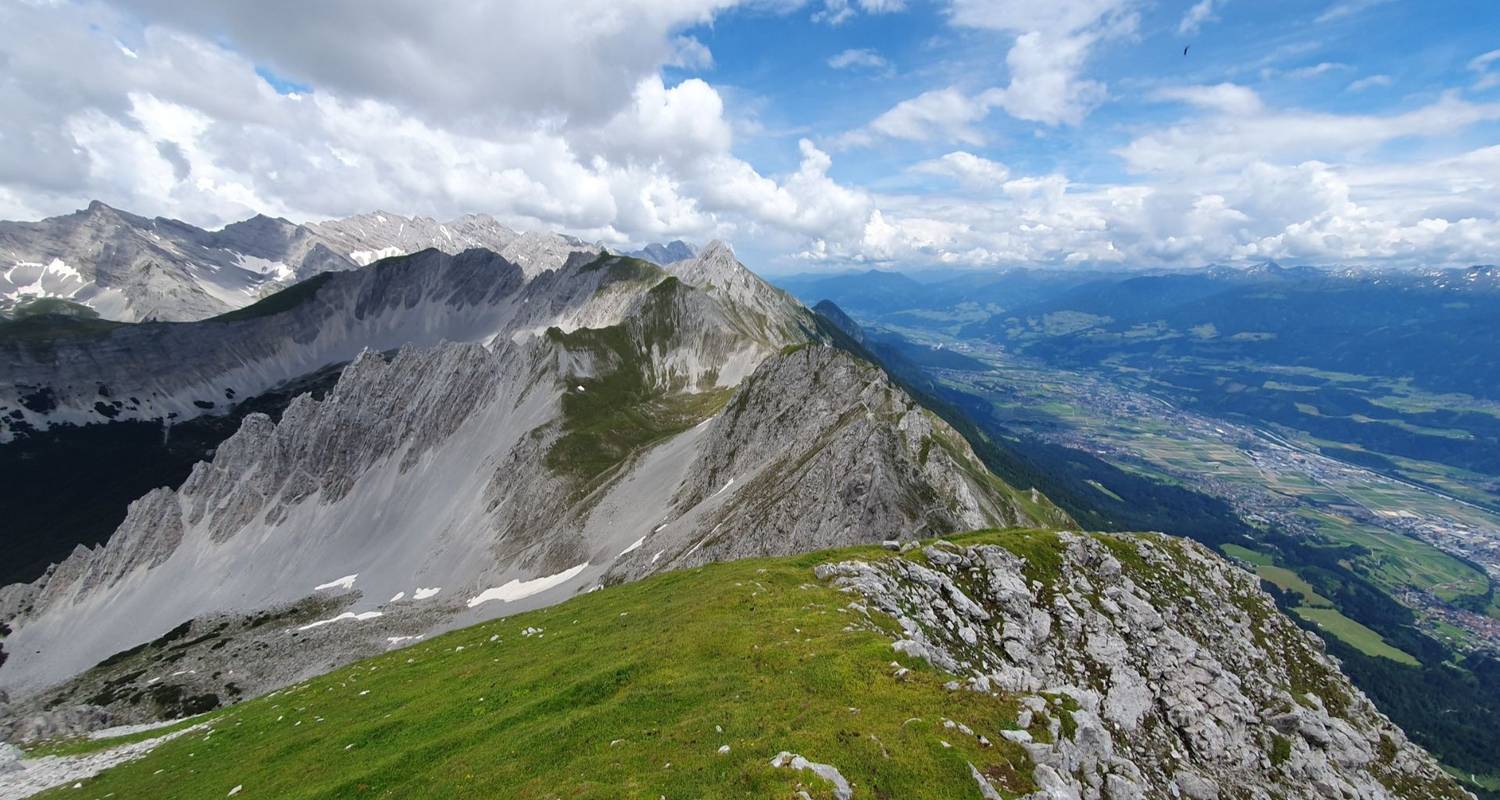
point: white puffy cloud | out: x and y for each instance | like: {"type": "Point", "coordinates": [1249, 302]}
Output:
{"type": "Point", "coordinates": [455, 61]}
{"type": "Point", "coordinates": [1045, 61]}
{"type": "Point", "coordinates": [975, 173]}
{"type": "Point", "coordinates": [945, 115]}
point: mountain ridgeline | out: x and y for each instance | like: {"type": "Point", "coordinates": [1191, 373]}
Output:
{"type": "Point", "coordinates": [531, 437]}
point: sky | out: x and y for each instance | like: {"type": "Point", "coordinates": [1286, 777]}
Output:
{"type": "Point", "coordinates": [811, 134]}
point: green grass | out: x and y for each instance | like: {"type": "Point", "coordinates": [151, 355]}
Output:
{"type": "Point", "coordinates": [1362, 638]}
{"type": "Point", "coordinates": [624, 695]}
{"type": "Point", "coordinates": [1246, 554]}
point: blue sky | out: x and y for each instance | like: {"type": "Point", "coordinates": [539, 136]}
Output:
{"type": "Point", "coordinates": [812, 134]}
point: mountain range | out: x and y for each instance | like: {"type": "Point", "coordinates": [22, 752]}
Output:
{"type": "Point", "coordinates": [130, 268]}
{"type": "Point", "coordinates": [498, 439]}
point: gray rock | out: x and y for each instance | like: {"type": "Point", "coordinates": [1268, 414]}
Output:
{"type": "Point", "coordinates": [829, 773]}
{"type": "Point", "coordinates": [1167, 692]}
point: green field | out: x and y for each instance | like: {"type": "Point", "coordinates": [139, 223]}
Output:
{"type": "Point", "coordinates": [1291, 581]}
{"type": "Point", "coordinates": [1395, 561]}
{"type": "Point", "coordinates": [1362, 638]}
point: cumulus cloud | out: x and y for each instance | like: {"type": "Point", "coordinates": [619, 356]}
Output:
{"type": "Point", "coordinates": [461, 61]}
{"type": "Point", "coordinates": [940, 115]}
{"type": "Point", "coordinates": [1050, 46]}
{"type": "Point", "coordinates": [1047, 57]}
{"type": "Point", "coordinates": [970, 171]}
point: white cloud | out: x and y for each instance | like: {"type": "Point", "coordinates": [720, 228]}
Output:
{"type": "Point", "coordinates": [1348, 8]}
{"type": "Point", "coordinates": [858, 59]}
{"type": "Point", "coordinates": [1481, 64]}
{"type": "Point", "coordinates": [837, 12]}
{"type": "Point", "coordinates": [1369, 82]}
{"type": "Point", "coordinates": [1228, 98]}
{"type": "Point", "coordinates": [689, 53]}
{"type": "Point", "coordinates": [1313, 71]}
{"type": "Point", "coordinates": [186, 128]}
{"type": "Point", "coordinates": [1201, 12]}
{"type": "Point", "coordinates": [971, 171]}
{"type": "Point", "coordinates": [1236, 137]}
{"type": "Point", "coordinates": [1045, 62]}
{"type": "Point", "coordinates": [944, 115]}
{"type": "Point", "coordinates": [469, 61]}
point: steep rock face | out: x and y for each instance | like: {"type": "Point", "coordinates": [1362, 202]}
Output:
{"type": "Point", "coordinates": [1153, 668]}
{"type": "Point", "coordinates": [174, 372]}
{"type": "Point", "coordinates": [759, 305]}
{"type": "Point", "coordinates": [819, 449]}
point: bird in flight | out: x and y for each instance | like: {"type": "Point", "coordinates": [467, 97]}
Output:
{"type": "Point", "coordinates": [1185, 49]}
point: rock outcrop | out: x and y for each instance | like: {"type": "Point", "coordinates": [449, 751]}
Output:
{"type": "Point", "coordinates": [1149, 667]}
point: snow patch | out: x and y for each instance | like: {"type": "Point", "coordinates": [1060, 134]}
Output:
{"type": "Point", "coordinates": [398, 596]}
{"type": "Point", "coordinates": [517, 589]}
{"type": "Point", "coordinates": [423, 594]}
{"type": "Point", "coordinates": [365, 258]}
{"type": "Point", "coordinates": [360, 617]}
{"type": "Point", "coordinates": [346, 583]}
{"type": "Point", "coordinates": [634, 546]}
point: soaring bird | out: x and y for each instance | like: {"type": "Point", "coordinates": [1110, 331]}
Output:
{"type": "Point", "coordinates": [1185, 49]}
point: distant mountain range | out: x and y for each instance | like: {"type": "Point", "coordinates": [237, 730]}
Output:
{"type": "Point", "coordinates": [130, 268]}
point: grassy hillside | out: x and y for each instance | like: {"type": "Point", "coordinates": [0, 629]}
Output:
{"type": "Point", "coordinates": [625, 692]}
